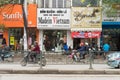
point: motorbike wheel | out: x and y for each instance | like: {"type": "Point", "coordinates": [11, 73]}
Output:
{"type": "Point", "coordinates": [119, 66]}
{"type": "Point", "coordinates": [12, 59]}
{"type": "Point", "coordinates": [23, 62]}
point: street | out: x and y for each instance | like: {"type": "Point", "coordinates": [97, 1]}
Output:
{"type": "Point", "coordinates": [57, 77]}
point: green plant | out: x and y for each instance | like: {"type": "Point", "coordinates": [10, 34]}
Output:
{"type": "Point", "coordinates": [2, 27]}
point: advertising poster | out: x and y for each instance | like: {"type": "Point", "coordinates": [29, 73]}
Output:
{"type": "Point", "coordinates": [12, 40]}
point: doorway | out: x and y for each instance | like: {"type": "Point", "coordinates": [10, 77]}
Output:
{"type": "Point", "coordinates": [53, 39]}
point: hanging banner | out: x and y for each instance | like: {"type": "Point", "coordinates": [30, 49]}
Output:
{"type": "Point", "coordinates": [85, 34]}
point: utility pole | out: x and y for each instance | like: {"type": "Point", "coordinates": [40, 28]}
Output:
{"type": "Point", "coordinates": [24, 9]}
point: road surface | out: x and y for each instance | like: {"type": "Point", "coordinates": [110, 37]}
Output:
{"type": "Point", "coordinates": [57, 77]}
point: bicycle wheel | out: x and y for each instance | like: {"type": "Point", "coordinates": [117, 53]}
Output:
{"type": "Point", "coordinates": [23, 62]}
{"type": "Point", "coordinates": [44, 62]}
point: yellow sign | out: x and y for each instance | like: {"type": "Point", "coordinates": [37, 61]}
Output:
{"type": "Point", "coordinates": [12, 40]}
{"type": "Point", "coordinates": [86, 17]}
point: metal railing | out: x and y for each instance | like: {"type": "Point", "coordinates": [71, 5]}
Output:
{"type": "Point", "coordinates": [60, 58]}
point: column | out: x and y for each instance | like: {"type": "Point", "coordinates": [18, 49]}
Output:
{"type": "Point", "coordinates": [98, 42]}
{"type": "Point", "coordinates": [41, 39]}
{"type": "Point", "coordinates": [50, 3]}
{"type": "Point", "coordinates": [25, 25]}
{"type": "Point", "coordinates": [69, 39]}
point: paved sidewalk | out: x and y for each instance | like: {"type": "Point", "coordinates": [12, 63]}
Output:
{"type": "Point", "coordinates": [57, 69]}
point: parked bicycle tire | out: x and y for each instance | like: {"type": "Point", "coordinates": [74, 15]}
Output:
{"type": "Point", "coordinates": [43, 61]}
{"type": "Point", "coordinates": [23, 62]}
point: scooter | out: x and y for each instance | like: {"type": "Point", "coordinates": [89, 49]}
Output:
{"type": "Point", "coordinates": [39, 59]}
{"type": "Point", "coordinates": [6, 53]}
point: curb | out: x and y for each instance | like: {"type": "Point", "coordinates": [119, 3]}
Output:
{"type": "Point", "coordinates": [55, 71]}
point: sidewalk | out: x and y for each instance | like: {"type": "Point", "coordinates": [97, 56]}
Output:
{"type": "Point", "coordinates": [57, 69]}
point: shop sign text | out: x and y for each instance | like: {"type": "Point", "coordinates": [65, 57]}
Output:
{"type": "Point", "coordinates": [53, 17]}
{"type": "Point", "coordinates": [13, 16]}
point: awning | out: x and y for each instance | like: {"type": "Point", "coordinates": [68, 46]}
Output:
{"type": "Point", "coordinates": [110, 25]}
{"type": "Point", "coordinates": [82, 34]}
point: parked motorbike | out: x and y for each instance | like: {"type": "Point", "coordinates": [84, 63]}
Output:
{"type": "Point", "coordinates": [6, 53]}
{"type": "Point", "coordinates": [39, 59]}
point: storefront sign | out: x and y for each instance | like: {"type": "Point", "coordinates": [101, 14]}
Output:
{"type": "Point", "coordinates": [16, 15]}
{"type": "Point", "coordinates": [47, 18]}
{"type": "Point", "coordinates": [111, 11]}
{"type": "Point", "coordinates": [85, 34]}
{"type": "Point", "coordinates": [12, 16]}
{"type": "Point", "coordinates": [86, 17]}
{"type": "Point", "coordinates": [12, 41]}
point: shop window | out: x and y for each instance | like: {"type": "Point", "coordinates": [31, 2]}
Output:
{"type": "Point", "coordinates": [85, 3]}
{"type": "Point", "coordinates": [31, 36]}
{"type": "Point", "coordinates": [112, 37]}
{"type": "Point", "coordinates": [54, 3]}
{"type": "Point", "coordinates": [60, 4]}
{"type": "Point", "coordinates": [31, 1]}
{"type": "Point", "coordinates": [15, 34]}
{"type": "Point", "coordinates": [1, 36]}
{"type": "Point", "coordinates": [54, 39]}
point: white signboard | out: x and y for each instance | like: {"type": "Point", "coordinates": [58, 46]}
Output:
{"type": "Point", "coordinates": [53, 18]}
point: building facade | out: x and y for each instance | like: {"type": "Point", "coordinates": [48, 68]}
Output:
{"type": "Point", "coordinates": [54, 22]}
{"type": "Point", "coordinates": [12, 18]}
{"type": "Point", "coordinates": [111, 24]}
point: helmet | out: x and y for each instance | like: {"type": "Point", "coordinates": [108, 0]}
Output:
{"type": "Point", "coordinates": [86, 43]}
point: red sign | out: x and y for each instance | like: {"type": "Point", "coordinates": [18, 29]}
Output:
{"type": "Point", "coordinates": [85, 34]}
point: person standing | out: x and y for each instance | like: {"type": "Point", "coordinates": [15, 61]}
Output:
{"type": "Point", "coordinates": [4, 42]}
{"type": "Point", "coordinates": [106, 49]}
{"type": "Point", "coordinates": [65, 48]}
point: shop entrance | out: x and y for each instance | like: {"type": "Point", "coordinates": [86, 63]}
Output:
{"type": "Point", "coordinates": [53, 39]}
{"type": "Point", "coordinates": [76, 42]}
{"type": "Point", "coordinates": [15, 37]}
{"type": "Point", "coordinates": [112, 37]}
{"type": "Point", "coordinates": [90, 41]}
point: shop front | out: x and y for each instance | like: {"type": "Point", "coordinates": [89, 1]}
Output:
{"type": "Point", "coordinates": [54, 28]}
{"type": "Point", "coordinates": [111, 35]}
{"type": "Point", "coordinates": [86, 26]}
{"type": "Point", "coordinates": [12, 18]}
{"type": "Point", "coordinates": [111, 24]}
{"type": "Point", "coordinates": [90, 37]}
